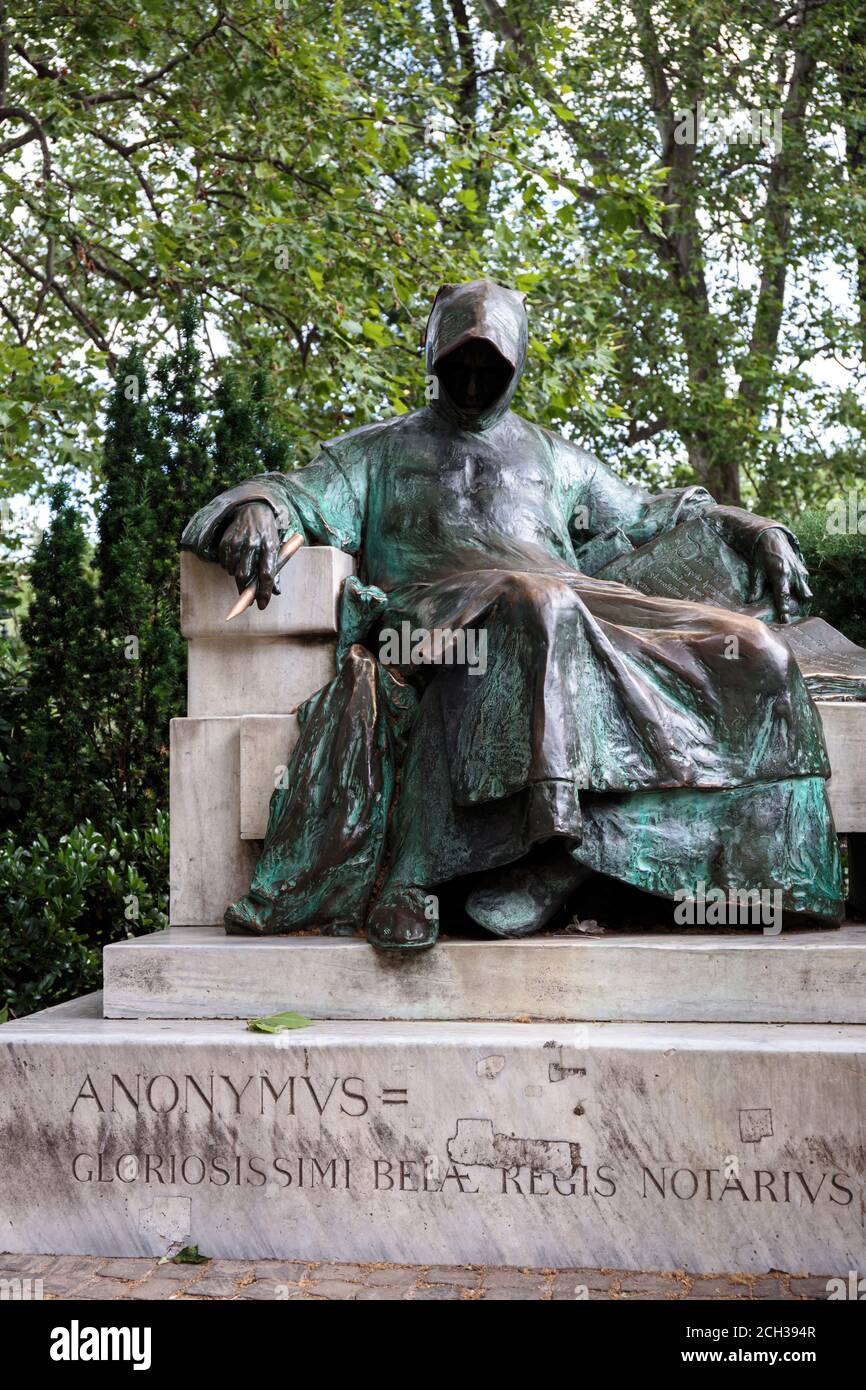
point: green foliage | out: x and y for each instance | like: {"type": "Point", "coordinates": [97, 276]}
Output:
{"type": "Point", "coordinates": [247, 436]}
{"type": "Point", "coordinates": [157, 469]}
{"type": "Point", "coordinates": [130, 672]}
{"type": "Point", "coordinates": [64, 900]}
{"type": "Point", "coordinates": [10, 593]}
{"type": "Point", "coordinates": [13, 704]}
{"type": "Point", "coordinates": [189, 1255]}
{"type": "Point", "coordinates": [107, 665]}
{"type": "Point", "coordinates": [181, 471]}
{"type": "Point", "coordinates": [279, 1023]}
{"type": "Point", "coordinates": [87, 694]}
{"type": "Point", "coordinates": [310, 174]}
{"type": "Point", "coordinates": [837, 572]}
{"type": "Point", "coordinates": [59, 725]}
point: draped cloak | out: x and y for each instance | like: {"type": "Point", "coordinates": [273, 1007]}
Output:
{"type": "Point", "coordinates": [671, 744]}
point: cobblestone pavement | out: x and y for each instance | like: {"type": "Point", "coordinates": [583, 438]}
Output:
{"type": "Point", "coordinates": [91, 1277]}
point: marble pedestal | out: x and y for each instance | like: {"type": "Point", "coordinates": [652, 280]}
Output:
{"type": "Point", "coordinates": [694, 1101]}
{"type": "Point", "coordinates": [800, 976]}
{"type": "Point", "coordinates": [698, 1146]}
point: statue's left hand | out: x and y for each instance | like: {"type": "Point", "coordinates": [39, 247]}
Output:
{"type": "Point", "coordinates": [775, 560]}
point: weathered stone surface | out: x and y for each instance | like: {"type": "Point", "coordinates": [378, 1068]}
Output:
{"type": "Point", "coordinates": [26, 1265]}
{"type": "Point", "coordinates": [393, 1282]}
{"type": "Point", "coordinates": [306, 607]}
{"type": "Point", "coordinates": [845, 735]}
{"type": "Point", "coordinates": [125, 1269]}
{"type": "Point", "coordinates": [353, 1273]}
{"type": "Point", "coordinates": [380, 1293]}
{"type": "Point", "coordinates": [448, 1274]}
{"type": "Point", "coordinates": [809, 1286]}
{"type": "Point", "coordinates": [509, 1294]}
{"type": "Point", "coordinates": [334, 1288]}
{"type": "Point", "coordinates": [800, 976]}
{"type": "Point", "coordinates": [266, 743]}
{"type": "Point", "coordinates": [102, 1291]}
{"type": "Point", "coordinates": [582, 1283]}
{"type": "Point", "coordinates": [770, 1287]}
{"type": "Point", "coordinates": [261, 665]}
{"type": "Point", "coordinates": [720, 1286]}
{"type": "Point", "coordinates": [257, 676]}
{"type": "Point", "coordinates": [215, 1286]}
{"type": "Point", "coordinates": [665, 1285]}
{"type": "Point", "coordinates": [177, 1273]}
{"type": "Point", "coordinates": [263, 1292]}
{"type": "Point", "coordinates": [282, 1271]}
{"type": "Point", "coordinates": [210, 865]}
{"type": "Point", "coordinates": [155, 1290]}
{"type": "Point", "coordinates": [393, 1277]}
{"type": "Point", "coordinates": [332, 1142]}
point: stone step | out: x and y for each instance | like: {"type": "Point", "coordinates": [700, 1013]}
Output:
{"type": "Point", "coordinates": [644, 1146]}
{"type": "Point", "coordinates": [736, 977]}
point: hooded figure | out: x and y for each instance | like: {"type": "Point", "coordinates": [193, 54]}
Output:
{"type": "Point", "coordinates": [543, 721]}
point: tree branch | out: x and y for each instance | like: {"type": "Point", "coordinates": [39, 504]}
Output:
{"type": "Point", "coordinates": [20, 113]}
{"type": "Point", "coordinates": [75, 309]}
{"type": "Point", "coordinates": [777, 234]}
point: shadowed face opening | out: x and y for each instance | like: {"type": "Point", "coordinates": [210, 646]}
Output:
{"type": "Point", "coordinates": [474, 375]}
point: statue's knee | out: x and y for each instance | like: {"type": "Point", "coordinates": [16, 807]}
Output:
{"type": "Point", "coordinates": [536, 593]}
{"type": "Point", "coordinates": [768, 651]}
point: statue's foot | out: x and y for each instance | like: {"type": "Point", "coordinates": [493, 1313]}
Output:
{"type": "Point", "coordinates": [399, 921]}
{"type": "Point", "coordinates": [241, 919]}
{"type": "Point", "coordinates": [523, 897]}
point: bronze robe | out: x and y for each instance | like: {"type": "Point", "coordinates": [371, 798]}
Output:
{"type": "Point", "coordinates": [670, 743]}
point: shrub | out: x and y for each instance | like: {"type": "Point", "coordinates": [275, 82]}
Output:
{"type": "Point", "coordinates": [64, 901]}
{"type": "Point", "coordinates": [837, 573]}
{"type": "Point", "coordinates": [13, 704]}
{"type": "Point", "coordinates": [87, 694]}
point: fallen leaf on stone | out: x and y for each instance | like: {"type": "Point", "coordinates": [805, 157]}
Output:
{"type": "Point", "coordinates": [189, 1255]}
{"type": "Point", "coordinates": [279, 1023]}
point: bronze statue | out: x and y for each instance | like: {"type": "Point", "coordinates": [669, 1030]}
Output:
{"type": "Point", "coordinates": [506, 712]}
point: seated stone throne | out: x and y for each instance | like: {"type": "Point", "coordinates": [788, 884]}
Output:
{"type": "Point", "coordinates": [246, 679]}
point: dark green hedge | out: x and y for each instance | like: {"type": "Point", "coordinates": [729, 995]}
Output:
{"type": "Point", "coordinates": [63, 901]}
{"type": "Point", "coordinates": [84, 708]}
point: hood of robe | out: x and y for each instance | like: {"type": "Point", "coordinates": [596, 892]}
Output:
{"type": "Point", "coordinates": [479, 311]}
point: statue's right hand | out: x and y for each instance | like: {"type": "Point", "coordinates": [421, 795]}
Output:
{"type": "Point", "coordinates": [248, 549]}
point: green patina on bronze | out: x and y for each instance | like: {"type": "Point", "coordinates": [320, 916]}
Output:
{"type": "Point", "coordinates": [663, 741]}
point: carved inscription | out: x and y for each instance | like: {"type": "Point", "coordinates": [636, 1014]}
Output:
{"type": "Point", "coordinates": [219, 1130]}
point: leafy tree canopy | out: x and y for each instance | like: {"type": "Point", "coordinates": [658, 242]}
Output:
{"type": "Point", "coordinates": [310, 173]}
